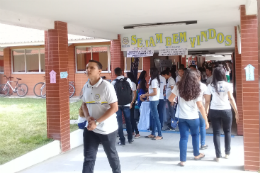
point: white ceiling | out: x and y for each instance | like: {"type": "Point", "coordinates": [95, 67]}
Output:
{"type": "Point", "coordinates": [109, 16]}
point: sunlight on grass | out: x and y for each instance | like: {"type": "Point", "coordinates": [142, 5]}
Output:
{"type": "Point", "coordinates": [23, 126]}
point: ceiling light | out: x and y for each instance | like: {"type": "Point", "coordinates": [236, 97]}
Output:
{"type": "Point", "coordinates": [160, 24]}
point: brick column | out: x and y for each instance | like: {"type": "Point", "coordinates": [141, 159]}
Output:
{"type": "Point", "coordinates": [57, 95]}
{"type": "Point", "coordinates": [183, 61]}
{"type": "Point", "coordinates": [250, 89]}
{"type": "Point", "coordinates": [7, 63]}
{"type": "Point", "coordinates": [146, 67]}
{"type": "Point", "coordinates": [239, 98]}
{"type": "Point", "coordinates": [117, 57]}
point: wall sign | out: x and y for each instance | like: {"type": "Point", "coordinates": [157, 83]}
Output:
{"type": "Point", "coordinates": [63, 75]}
{"type": "Point", "coordinates": [191, 39]}
{"type": "Point", "coordinates": [140, 53]}
{"type": "Point", "coordinates": [173, 51]}
{"type": "Point", "coordinates": [250, 72]}
{"type": "Point", "coordinates": [52, 76]}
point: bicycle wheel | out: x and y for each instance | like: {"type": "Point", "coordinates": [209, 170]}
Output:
{"type": "Point", "coordinates": [37, 89]}
{"type": "Point", "coordinates": [4, 90]}
{"type": "Point", "coordinates": [43, 91]}
{"type": "Point", "coordinates": [71, 90]}
{"type": "Point", "coordinates": [22, 90]}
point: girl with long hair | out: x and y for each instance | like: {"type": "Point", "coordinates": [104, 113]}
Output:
{"type": "Point", "coordinates": [189, 98]}
{"type": "Point", "coordinates": [130, 75]}
{"type": "Point", "coordinates": [220, 109]}
{"type": "Point", "coordinates": [154, 95]}
{"type": "Point", "coordinates": [142, 76]}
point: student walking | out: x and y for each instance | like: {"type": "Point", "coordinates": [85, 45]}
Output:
{"type": "Point", "coordinates": [99, 107]}
{"type": "Point", "coordinates": [220, 110]}
{"type": "Point", "coordinates": [124, 89]}
{"type": "Point", "coordinates": [154, 95]}
{"type": "Point", "coordinates": [189, 98]}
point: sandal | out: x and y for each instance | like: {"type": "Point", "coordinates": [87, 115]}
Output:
{"type": "Point", "coordinates": [150, 136]}
{"type": "Point", "coordinates": [180, 164]}
{"type": "Point", "coordinates": [137, 136]}
{"type": "Point", "coordinates": [157, 138]}
{"type": "Point", "coordinates": [199, 158]}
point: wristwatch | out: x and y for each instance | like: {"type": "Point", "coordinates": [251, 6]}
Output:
{"type": "Point", "coordinates": [97, 123]}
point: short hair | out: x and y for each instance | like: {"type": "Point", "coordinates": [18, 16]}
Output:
{"type": "Point", "coordinates": [194, 66]}
{"type": "Point", "coordinates": [164, 72]}
{"type": "Point", "coordinates": [99, 65]}
{"type": "Point", "coordinates": [118, 71]}
{"type": "Point", "coordinates": [209, 68]}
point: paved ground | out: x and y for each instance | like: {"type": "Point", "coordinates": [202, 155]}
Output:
{"type": "Point", "coordinates": [149, 156]}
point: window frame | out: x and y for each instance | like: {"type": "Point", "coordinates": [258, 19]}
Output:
{"type": "Point", "coordinates": [39, 59]}
{"type": "Point", "coordinates": [108, 57]}
{"type": "Point", "coordinates": [130, 70]}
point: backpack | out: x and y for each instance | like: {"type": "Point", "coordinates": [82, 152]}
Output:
{"type": "Point", "coordinates": [123, 91]}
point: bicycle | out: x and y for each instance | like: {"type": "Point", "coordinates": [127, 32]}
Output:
{"type": "Point", "coordinates": [20, 89]}
{"type": "Point", "coordinates": [43, 89]}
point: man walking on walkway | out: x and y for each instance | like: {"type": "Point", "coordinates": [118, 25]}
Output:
{"type": "Point", "coordinates": [99, 106]}
{"type": "Point", "coordinates": [123, 87]}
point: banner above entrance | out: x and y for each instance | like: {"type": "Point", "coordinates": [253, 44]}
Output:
{"type": "Point", "coordinates": [190, 39]}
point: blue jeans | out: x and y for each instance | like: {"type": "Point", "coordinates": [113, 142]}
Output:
{"type": "Point", "coordinates": [155, 116]}
{"type": "Point", "coordinates": [184, 126]}
{"type": "Point", "coordinates": [202, 130]}
{"type": "Point", "coordinates": [126, 111]}
{"type": "Point", "coordinates": [161, 110]}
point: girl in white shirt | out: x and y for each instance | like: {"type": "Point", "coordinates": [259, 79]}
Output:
{"type": "Point", "coordinates": [220, 110]}
{"type": "Point", "coordinates": [154, 96]}
{"type": "Point", "coordinates": [189, 98]}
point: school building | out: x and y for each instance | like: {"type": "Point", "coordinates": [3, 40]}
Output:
{"type": "Point", "coordinates": [198, 30]}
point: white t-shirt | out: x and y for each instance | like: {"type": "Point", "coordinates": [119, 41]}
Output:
{"type": "Point", "coordinates": [133, 88]}
{"type": "Point", "coordinates": [203, 89]}
{"type": "Point", "coordinates": [178, 78]}
{"type": "Point", "coordinates": [154, 84]}
{"type": "Point", "coordinates": [209, 80]}
{"type": "Point", "coordinates": [187, 109]}
{"type": "Point", "coordinates": [227, 73]}
{"type": "Point", "coordinates": [220, 101]}
{"type": "Point", "coordinates": [130, 83]}
{"type": "Point", "coordinates": [162, 84]}
{"type": "Point", "coordinates": [98, 99]}
{"type": "Point", "coordinates": [171, 82]}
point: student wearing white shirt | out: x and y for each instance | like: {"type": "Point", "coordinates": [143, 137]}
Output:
{"type": "Point", "coordinates": [220, 110]}
{"type": "Point", "coordinates": [154, 96]}
{"type": "Point", "coordinates": [99, 107]}
{"type": "Point", "coordinates": [180, 74]}
{"type": "Point", "coordinates": [130, 76]}
{"type": "Point", "coordinates": [169, 87]}
{"type": "Point", "coordinates": [209, 75]}
{"type": "Point", "coordinates": [203, 89]}
{"type": "Point", "coordinates": [124, 89]}
{"type": "Point", "coordinates": [161, 106]}
{"type": "Point", "coordinates": [189, 99]}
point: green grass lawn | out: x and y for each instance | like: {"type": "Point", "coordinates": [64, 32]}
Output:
{"type": "Point", "coordinates": [23, 126]}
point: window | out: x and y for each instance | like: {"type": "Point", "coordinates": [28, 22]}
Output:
{"type": "Point", "coordinates": [98, 53]}
{"type": "Point", "coordinates": [1, 61]}
{"type": "Point", "coordinates": [128, 64]}
{"type": "Point", "coordinates": [28, 60]}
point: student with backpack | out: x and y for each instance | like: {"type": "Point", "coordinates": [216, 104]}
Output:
{"type": "Point", "coordinates": [123, 87]}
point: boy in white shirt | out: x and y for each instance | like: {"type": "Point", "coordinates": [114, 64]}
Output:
{"type": "Point", "coordinates": [169, 87]}
{"type": "Point", "coordinates": [99, 106]}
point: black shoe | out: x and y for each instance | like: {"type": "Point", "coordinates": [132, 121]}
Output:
{"type": "Point", "coordinates": [204, 147]}
{"type": "Point", "coordinates": [121, 143]}
{"type": "Point", "coordinates": [130, 142]}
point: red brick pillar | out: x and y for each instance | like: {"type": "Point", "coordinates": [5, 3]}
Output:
{"type": "Point", "coordinates": [250, 89]}
{"type": "Point", "coordinates": [146, 67]}
{"type": "Point", "coordinates": [7, 63]}
{"type": "Point", "coordinates": [57, 95]}
{"type": "Point", "coordinates": [117, 57]}
{"type": "Point", "coordinates": [239, 97]}
{"type": "Point", "coordinates": [183, 61]}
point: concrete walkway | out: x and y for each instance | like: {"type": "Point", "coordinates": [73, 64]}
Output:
{"type": "Point", "coordinates": [147, 156]}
